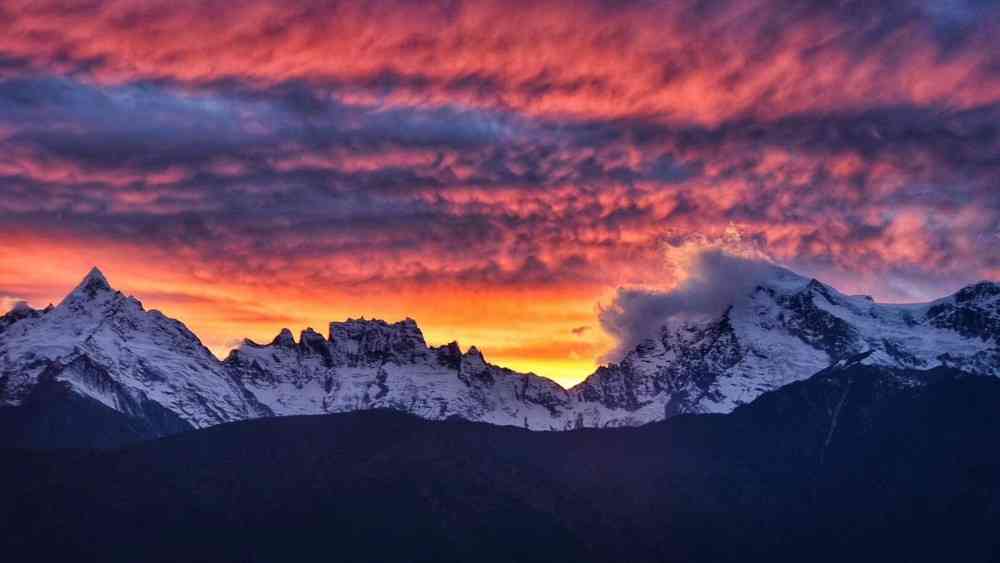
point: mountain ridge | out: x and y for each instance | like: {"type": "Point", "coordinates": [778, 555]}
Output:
{"type": "Point", "coordinates": [104, 345]}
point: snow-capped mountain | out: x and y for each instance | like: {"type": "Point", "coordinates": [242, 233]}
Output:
{"type": "Point", "coordinates": [368, 364]}
{"type": "Point", "coordinates": [785, 329]}
{"type": "Point", "coordinates": [104, 346]}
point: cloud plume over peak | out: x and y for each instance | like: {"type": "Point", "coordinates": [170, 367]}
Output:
{"type": "Point", "coordinates": [715, 279]}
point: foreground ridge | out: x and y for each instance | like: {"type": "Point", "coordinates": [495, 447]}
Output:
{"type": "Point", "coordinates": [877, 455]}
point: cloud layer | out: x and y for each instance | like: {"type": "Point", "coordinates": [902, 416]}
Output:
{"type": "Point", "coordinates": [378, 151]}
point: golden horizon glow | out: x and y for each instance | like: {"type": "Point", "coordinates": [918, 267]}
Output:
{"type": "Point", "coordinates": [525, 332]}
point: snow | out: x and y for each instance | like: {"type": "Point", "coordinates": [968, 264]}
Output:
{"type": "Point", "coordinates": [144, 353]}
{"type": "Point", "coordinates": [772, 351]}
{"type": "Point", "coordinates": [374, 364]}
{"type": "Point", "coordinates": [104, 345]}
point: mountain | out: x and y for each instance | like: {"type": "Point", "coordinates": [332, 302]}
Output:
{"type": "Point", "coordinates": [856, 463]}
{"type": "Point", "coordinates": [366, 364]}
{"type": "Point", "coordinates": [104, 346]}
{"type": "Point", "coordinates": [157, 378]}
{"type": "Point", "coordinates": [783, 330]}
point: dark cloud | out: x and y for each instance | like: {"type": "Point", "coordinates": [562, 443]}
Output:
{"type": "Point", "coordinates": [310, 176]}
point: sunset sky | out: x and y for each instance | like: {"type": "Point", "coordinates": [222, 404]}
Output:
{"type": "Point", "coordinates": [494, 170]}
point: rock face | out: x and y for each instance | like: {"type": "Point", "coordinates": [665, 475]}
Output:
{"type": "Point", "coordinates": [102, 345]}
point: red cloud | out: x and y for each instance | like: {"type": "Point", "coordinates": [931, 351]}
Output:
{"type": "Point", "coordinates": [677, 60]}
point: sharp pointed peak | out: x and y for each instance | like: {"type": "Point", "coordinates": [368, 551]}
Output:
{"type": "Point", "coordinates": [96, 274]}
{"type": "Point", "coordinates": [93, 284]}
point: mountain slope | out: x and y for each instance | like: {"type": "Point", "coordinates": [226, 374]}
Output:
{"type": "Point", "coordinates": [53, 415]}
{"type": "Point", "coordinates": [783, 330]}
{"type": "Point", "coordinates": [105, 346]}
{"type": "Point", "coordinates": [859, 462]}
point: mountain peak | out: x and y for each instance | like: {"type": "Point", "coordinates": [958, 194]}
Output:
{"type": "Point", "coordinates": [351, 328]}
{"type": "Point", "coordinates": [982, 290]}
{"type": "Point", "coordinates": [93, 284]}
{"type": "Point", "coordinates": [96, 277]}
{"type": "Point", "coordinates": [377, 338]}
{"type": "Point", "coordinates": [284, 339]}
{"type": "Point", "coordinates": [20, 310]}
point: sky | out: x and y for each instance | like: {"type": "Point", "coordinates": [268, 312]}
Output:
{"type": "Point", "coordinates": [502, 172]}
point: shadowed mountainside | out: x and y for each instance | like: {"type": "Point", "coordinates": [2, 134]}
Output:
{"type": "Point", "coordinates": [854, 462]}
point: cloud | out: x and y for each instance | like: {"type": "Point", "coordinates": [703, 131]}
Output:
{"type": "Point", "coordinates": [715, 280]}
{"type": "Point", "coordinates": [534, 201]}
{"type": "Point", "coordinates": [585, 58]}
{"type": "Point", "coordinates": [557, 146]}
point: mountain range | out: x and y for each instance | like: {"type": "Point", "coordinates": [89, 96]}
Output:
{"type": "Point", "coordinates": [100, 355]}
{"type": "Point", "coordinates": [797, 423]}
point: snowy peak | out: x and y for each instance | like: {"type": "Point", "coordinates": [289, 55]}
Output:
{"type": "Point", "coordinates": [984, 293]}
{"type": "Point", "coordinates": [20, 311]}
{"type": "Point", "coordinates": [778, 278]}
{"type": "Point", "coordinates": [314, 342]}
{"type": "Point", "coordinates": [354, 342]}
{"type": "Point", "coordinates": [95, 279]}
{"type": "Point", "coordinates": [91, 287]}
{"type": "Point", "coordinates": [973, 312]}
{"type": "Point", "coordinates": [375, 364]}
{"type": "Point", "coordinates": [449, 355]}
{"type": "Point", "coordinates": [96, 299]}
{"type": "Point", "coordinates": [105, 346]}
{"type": "Point", "coordinates": [788, 285]}
{"type": "Point", "coordinates": [365, 341]}
{"type": "Point", "coordinates": [787, 328]}
{"type": "Point", "coordinates": [310, 344]}
{"type": "Point", "coordinates": [473, 361]}
{"type": "Point", "coordinates": [284, 339]}
{"type": "Point", "coordinates": [473, 353]}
